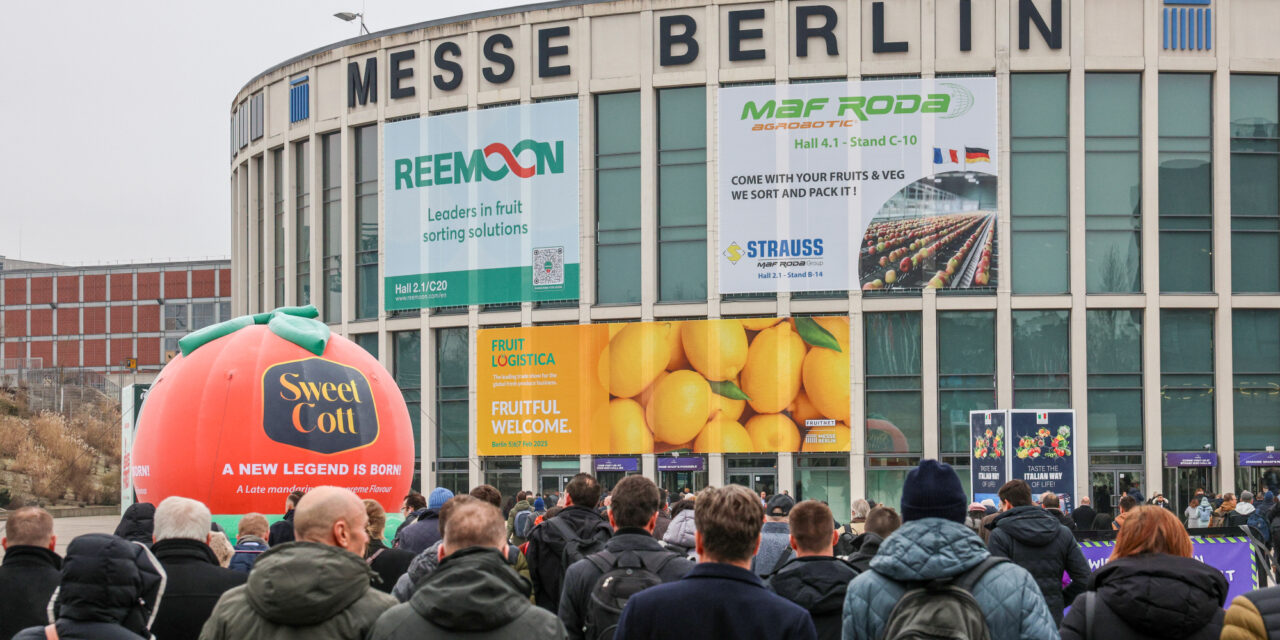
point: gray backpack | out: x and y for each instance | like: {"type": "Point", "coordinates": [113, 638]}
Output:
{"type": "Point", "coordinates": [941, 609]}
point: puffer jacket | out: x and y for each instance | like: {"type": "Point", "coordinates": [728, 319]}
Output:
{"type": "Point", "coordinates": [425, 563]}
{"type": "Point", "coordinates": [1253, 616]}
{"type": "Point", "coordinates": [1239, 516]}
{"type": "Point", "coordinates": [110, 590]}
{"type": "Point", "coordinates": [1204, 513]}
{"type": "Point", "coordinates": [300, 590]}
{"type": "Point", "coordinates": [817, 583]}
{"type": "Point", "coordinates": [474, 594]}
{"type": "Point", "coordinates": [679, 536]}
{"type": "Point", "coordinates": [138, 523]}
{"type": "Point", "coordinates": [931, 549]}
{"type": "Point", "coordinates": [1152, 597]}
{"type": "Point", "coordinates": [1036, 541]}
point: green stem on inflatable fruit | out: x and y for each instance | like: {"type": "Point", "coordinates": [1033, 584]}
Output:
{"type": "Point", "coordinates": [295, 324]}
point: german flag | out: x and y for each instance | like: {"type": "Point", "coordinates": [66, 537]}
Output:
{"type": "Point", "coordinates": [974, 154]}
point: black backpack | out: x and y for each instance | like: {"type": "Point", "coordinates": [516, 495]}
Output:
{"type": "Point", "coordinates": [941, 609]}
{"type": "Point", "coordinates": [575, 548]}
{"type": "Point", "coordinates": [844, 546]}
{"type": "Point", "coordinates": [622, 576]}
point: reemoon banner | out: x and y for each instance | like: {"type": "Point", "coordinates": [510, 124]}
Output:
{"type": "Point", "coordinates": [482, 206]}
{"type": "Point", "coordinates": [987, 474]}
{"type": "Point", "coordinates": [1041, 452]}
{"type": "Point", "coordinates": [880, 185]}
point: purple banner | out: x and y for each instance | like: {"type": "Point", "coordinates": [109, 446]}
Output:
{"type": "Point", "coordinates": [695, 463]}
{"type": "Point", "coordinates": [617, 464]}
{"type": "Point", "coordinates": [1197, 459]}
{"type": "Point", "coordinates": [1260, 459]}
{"type": "Point", "coordinates": [1231, 555]}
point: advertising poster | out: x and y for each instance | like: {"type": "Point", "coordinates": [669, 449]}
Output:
{"type": "Point", "coordinates": [481, 207]}
{"type": "Point", "coordinates": [884, 184]}
{"type": "Point", "coordinates": [260, 406]}
{"type": "Point", "coordinates": [1041, 452]}
{"type": "Point", "coordinates": [990, 454]}
{"type": "Point", "coordinates": [131, 398]}
{"type": "Point", "coordinates": [1231, 555]}
{"type": "Point", "coordinates": [699, 386]}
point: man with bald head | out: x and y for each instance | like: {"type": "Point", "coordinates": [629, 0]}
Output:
{"type": "Point", "coordinates": [30, 572]}
{"type": "Point", "coordinates": [474, 592]}
{"type": "Point", "coordinates": [317, 587]}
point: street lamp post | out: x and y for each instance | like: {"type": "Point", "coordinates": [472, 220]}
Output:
{"type": "Point", "coordinates": [348, 16]}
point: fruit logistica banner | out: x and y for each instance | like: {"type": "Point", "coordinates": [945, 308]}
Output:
{"type": "Point", "coordinates": [880, 184]}
{"type": "Point", "coordinates": [482, 206]}
{"type": "Point", "coordinates": [703, 386]}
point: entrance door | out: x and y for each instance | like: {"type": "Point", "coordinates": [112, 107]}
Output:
{"type": "Point", "coordinates": [1107, 485]}
{"type": "Point", "coordinates": [1182, 483]}
{"type": "Point", "coordinates": [552, 483]}
{"type": "Point", "coordinates": [756, 481]}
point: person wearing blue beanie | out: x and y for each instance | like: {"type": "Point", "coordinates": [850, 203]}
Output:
{"type": "Point", "coordinates": [933, 490]}
{"type": "Point", "coordinates": [539, 505]}
{"type": "Point", "coordinates": [438, 497]}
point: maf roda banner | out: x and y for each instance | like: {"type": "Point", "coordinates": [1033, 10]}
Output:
{"type": "Point", "coordinates": [885, 184]}
{"type": "Point", "coordinates": [1042, 443]}
{"type": "Point", "coordinates": [990, 454]}
{"type": "Point", "coordinates": [704, 386]}
{"type": "Point", "coordinates": [482, 206]}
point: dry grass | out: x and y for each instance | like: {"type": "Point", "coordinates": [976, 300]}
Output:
{"type": "Point", "coordinates": [65, 459]}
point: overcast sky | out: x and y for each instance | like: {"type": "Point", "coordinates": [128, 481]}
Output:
{"type": "Point", "coordinates": [114, 115]}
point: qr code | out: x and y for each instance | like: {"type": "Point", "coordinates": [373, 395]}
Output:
{"type": "Point", "coordinates": [548, 266]}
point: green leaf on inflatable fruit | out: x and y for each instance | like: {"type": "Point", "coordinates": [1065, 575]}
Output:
{"type": "Point", "coordinates": [815, 335]}
{"type": "Point", "coordinates": [295, 324]}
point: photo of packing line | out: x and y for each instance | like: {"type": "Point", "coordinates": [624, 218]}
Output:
{"type": "Point", "coordinates": [938, 232]}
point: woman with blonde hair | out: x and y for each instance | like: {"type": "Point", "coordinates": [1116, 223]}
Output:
{"type": "Point", "coordinates": [1151, 588]}
{"type": "Point", "coordinates": [388, 563]}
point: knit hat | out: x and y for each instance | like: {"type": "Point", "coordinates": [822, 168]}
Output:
{"type": "Point", "coordinates": [1246, 496]}
{"type": "Point", "coordinates": [976, 506]}
{"type": "Point", "coordinates": [438, 497]}
{"type": "Point", "coordinates": [1269, 496]}
{"type": "Point", "coordinates": [933, 490]}
{"type": "Point", "coordinates": [539, 504]}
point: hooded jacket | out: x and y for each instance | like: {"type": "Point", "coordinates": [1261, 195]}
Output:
{"type": "Point", "coordinates": [1253, 616]}
{"type": "Point", "coordinates": [818, 584]}
{"type": "Point", "coordinates": [679, 535]}
{"type": "Point", "coordinates": [195, 583]}
{"type": "Point", "coordinates": [300, 590]}
{"type": "Point", "coordinates": [523, 505]}
{"type": "Point", "coordinates": [28, 577]}
{"type": "Point", "coordinates": [1238, 516]}
{"type": "Point", "coordinates": [1204, 513]}
{"type": "Point", "coordinates": [866, 547]}
{"type": "Point", "coordinates": [421, 534]}
{"type": "Point", "coordinates": [546, 547]}
{"type": "Point", "coordinates": [933, 548]}
{"type": "Point", "coordinates": [248, 548]}
{"type": "Point", "coordinates": [425, 563]}
{"type": "Point", "coordinates": [474, 594]}
{"type": "Point", "coordinates": [1152, 597]}
{"type": "Point", "coordinates": [110, 590]}
{"type": "Point", "coordinates": [1034, 540]}
{"type": "Point", "coordinates": [138, 523]}
{"type": "Point", "coordinates": [660, 527]}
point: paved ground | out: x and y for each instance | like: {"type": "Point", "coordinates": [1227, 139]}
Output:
{"type": "Point", "coordinates": [68, 528]}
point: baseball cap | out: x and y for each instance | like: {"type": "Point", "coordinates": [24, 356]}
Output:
{"type": "Point", "coordinates": [779, 505]}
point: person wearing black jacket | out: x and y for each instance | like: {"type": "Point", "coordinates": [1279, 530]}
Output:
{"type": "Point", "coordinates": [1083, 515]}
{"type": "Point", "coordinates": [1035, 540]}
{"type": "Point", "coordinates": [30, 572]}
{"type": "Point", "coordinates": [815, 579]}
{"type": "Point", "coordinates": [547, 540]}
{"type": "Point", "coordinates": [633, 513]}
{"type": "Point", "coordinates": [137, 523]}
{"type": "Point", "coordinates": [879, 524]}
{"type": "Point", "coordinates": [1151, 589]}
{"type": "Point", "coordinates": [194, 580]}
{"type": "Point", "coordinates": [282, 530]}
{"type": "Point", "coordinates": [1049, 501]}
{"type": "Point", "coordinates": [388, 563]}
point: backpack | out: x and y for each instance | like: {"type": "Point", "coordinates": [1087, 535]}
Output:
{"type": "Point", "coordinates": [844, 546]}
{"type": "Point", "coordinates": [575, 548]}
{"type": "Point", "coordinates": [942, 609]}
{"type": "Point", "coordinates": [524, 523]}
{"type": "Point", "coordinates": [622, 576]}
{"type": "Point", "coordinates": [1258, 525]}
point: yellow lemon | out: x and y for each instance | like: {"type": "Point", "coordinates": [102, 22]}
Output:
{"type": "Point", "coordinates": [826, 381]}
{"type": "Point", "coordinates": [628, 432]}
{"type": "Point", "coordinates": [826, 439]}
{"type": "Point", "coordinates": [838, 326]}
{"type": "Point", "coordinates": [634, 358]}
{"type": "Point", "coordinates": [771, 377]}
{"type": "Point", "coordinates": [802, 409]}
{"type": "Point", "coordinates": [728, 407]}
{"type": "Point", "coordinates": [647, 395]}
{"type": "Point", "coordinates": [722, 435]}
{"type": "Point", "coordinates": [716, 348]}
{"type": "Point", "coordinates": [773, 432]}
{"type": "Point", "coordinates": [758, 324]}
{"type": "Point", "coordinates": [678, 359]}
{"type": "Point", "coordinates": [679, 406]}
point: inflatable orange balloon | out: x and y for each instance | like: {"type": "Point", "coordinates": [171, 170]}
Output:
{"type": "Point", "coordinates": [260, 406]}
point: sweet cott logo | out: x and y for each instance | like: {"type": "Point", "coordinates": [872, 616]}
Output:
{"type": "Point", "coordinates": [318, 405]}
{"type": "Point", "coordinates": [526, 159]}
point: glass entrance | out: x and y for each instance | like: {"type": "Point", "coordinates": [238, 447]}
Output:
{"type": "Point", "coordinates": [554, 475]}
{"type": "Point", "coordinates": [1258, 480]}
{"type": "Point", "coordinates": [1107, 485]}
{"type": "Point", "coordinates": [1182, 483]}
{"type": "Point", "coordinates": [766, 483]}
{"type": "Point", "coordinates": [680, 474]}
{"type": "Point", "coordinates": [757, 473]}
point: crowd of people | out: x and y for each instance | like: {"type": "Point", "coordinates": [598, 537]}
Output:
{"type": "Point", "coordinates": [632, 563]}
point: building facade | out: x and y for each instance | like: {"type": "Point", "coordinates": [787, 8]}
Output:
{"type": "Point", "coordinates": [1138, 227]}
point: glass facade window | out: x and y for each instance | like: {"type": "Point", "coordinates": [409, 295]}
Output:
{"type": "Point", "coordinates": [1255, 354]}
{"type": "Point", "coordinates": [175, 317]}
{"type": "Point", "coordinates": [302, 220]}
{"type": "Point", "coordinates": [1113, 182]}
{"type": "Point", "coordinates": [1186, 183]}
{"type": "Point", "coordinates": [366, 170]}
{"type": "Point", "coordinates": [406, 368]}
{"type": "Point", "coordinates": [825, 478]}
{"type": "Point", "coordinates": [331, 229]}
{"type": "Point", "coordinates": [966, 373]}
{"type": "Point", "coordinates": [224, 311]}
{"type": "Point", "coordinates": [277, 229]}
{"type": "Point", "coordinates": [1255, 184]}
{"type": "Point", "coordinates": [618, 198]}
{"type": "Point", "coordinates": [202, 315]}
{"type": "Point", "coordinates": [452, 475]}
{"type": "Point", "coordinates": [368, 342]}
{"type": "Point", "coordinates": [1041, 359]}
{"type": "Point", "coordinates": [1039, 199]}
{"type": "Point", "coordinates": [452, 403]}
{"type": "Point", "coordinates": [503, 474]}
{"type": "Point", "coordinates": [261, 218]}
{"type": "Point", "coordinates": [885, 477]}
{"type": "Point", "coordinates": [1114, 338]}
{"type": "Point", "coordinates": [894, 403]}
{"type": "Point", "coordinates": [682, 194]}
{"type": "Point", "coordinates": [1186, 379]}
